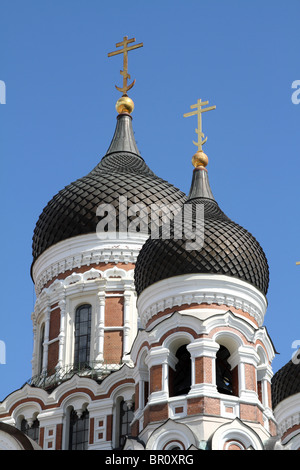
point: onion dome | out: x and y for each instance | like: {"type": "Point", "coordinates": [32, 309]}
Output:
{"type": "Point", "coordinates": [286, 382]}
{"type": "Point", "coordinates": [226, 248]}
{"type": "Point", "coordinates": [121, 172]}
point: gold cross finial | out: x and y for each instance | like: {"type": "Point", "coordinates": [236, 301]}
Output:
{"type": "Point", "coordinates": [199, 111]}
{"type": "Point", "coordinates": [124, 51]}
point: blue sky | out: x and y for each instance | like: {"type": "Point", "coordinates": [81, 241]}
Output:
{"type": "Point", "coordinates": [60, 115]}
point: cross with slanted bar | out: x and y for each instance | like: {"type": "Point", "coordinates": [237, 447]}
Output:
{"type": "Point", "coordinates": [124, 51]}
{"type": "Point", "coordinates": [199, 112]}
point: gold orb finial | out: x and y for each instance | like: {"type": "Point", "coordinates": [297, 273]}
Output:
{"type": "Point", "coordinates": [124, 105]}
{"type": "Point", "coordinates": [200, 159]}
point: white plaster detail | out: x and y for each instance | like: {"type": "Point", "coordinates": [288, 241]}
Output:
{"type": "Point", "coordinates": [199, 289]}
{"type": "Point", "coordinates": [287, 415]}
{"type": "Point", "coordinates": [169, 432]}
{"type": "Point", "coordinates": [84, 250]}
{"type": "Point", "coordinates": [177, 407]}
{"type": "Point", "coordinates": [230, 408]}
{"type": "Point", "coordinates": [236, 431]}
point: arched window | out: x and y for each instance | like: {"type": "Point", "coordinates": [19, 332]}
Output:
{"type": "Point", "coordinates": [78, 431]}
{"type": "Point", "coordinates": [82, 336]}
{"type": "Point", "coordinates": [223, 372]}
{"type": "Point", "coordinates": [126, 416]}
{"type": "Point", "coordinates": [181, 382]}
{"type": "Point", "coordinates": [31, 431]}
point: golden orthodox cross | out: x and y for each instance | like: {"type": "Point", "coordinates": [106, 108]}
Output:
{"type": "Point", "coordinates": [199, 112]}
{"type": "Point", "coordinates": [124, 51]}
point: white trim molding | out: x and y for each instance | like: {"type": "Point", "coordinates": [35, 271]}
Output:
{"type": "Point", "coordinates": [287, 415]}
{"type": "Point", "coordinates": [201, 289]}
{"type": "Point", "coordinates": [170, 432]}
{"type": "Point", "coordinates": [84, 250]}
{"type": "Point", "coordinates": [233, 432]}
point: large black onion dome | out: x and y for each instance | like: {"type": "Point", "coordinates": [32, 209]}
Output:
{"type": "Point", "coordinates": [121, 172]}
{"type": "Point", "coordinates": [286, 382]}
{"type": "Point", "coordinates": [227, 247]}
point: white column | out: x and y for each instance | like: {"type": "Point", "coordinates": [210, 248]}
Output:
{"type": "Point", "coordinates": [140, 377]}
{"type": "Point", "coordinates": [264, 376]}
{"type": "Point", "coordinates": [164, 357]}
{"type": "Point", "coordinates": [62, 333]}
{"type": "Point", "coordinates": [46, 339]}
{"type": "Point", "coordinates": [35, 353]}
{"type": "Point", "coordinates": [126, 326]}
{"type": "Point", "coordinates": [99, 356]}
{"type": "Point", "coordinates": [244, 355]}
{"type": "Point", "coordinates": [203, 347]}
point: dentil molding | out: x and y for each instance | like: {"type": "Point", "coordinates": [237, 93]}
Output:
{"type": "Point", "coordinates": [198, 289]}
{"type": "Point", "coordinates": [84, 250]}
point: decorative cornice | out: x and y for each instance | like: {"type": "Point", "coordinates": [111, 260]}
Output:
{"type": "Point", "coordinates": [201, 289]}
{"type": "Point", "coordinates": [84, 250]}
{"type": "Point", "coordinates": [94, 279]}
{"type": "Point", "coordinates": [287, 414]}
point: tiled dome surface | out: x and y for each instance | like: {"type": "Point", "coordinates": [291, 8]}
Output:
{"type": "Point", "coordinates": [227, 249]}
{"type": "Point", "coordinates": [286, 382]}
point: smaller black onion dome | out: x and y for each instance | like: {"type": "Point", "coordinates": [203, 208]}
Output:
{"type": "Point", "coordinates": [227, 248]}
{"type": "Point", "coordinates": [286, 382]}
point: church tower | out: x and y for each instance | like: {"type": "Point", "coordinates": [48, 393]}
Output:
{"type": "Point", "coordinates": [203, 351]}
{"type": "Point", "coordinates": [149, 320]}
{"type": "Point", "coordinates": [85, 246]}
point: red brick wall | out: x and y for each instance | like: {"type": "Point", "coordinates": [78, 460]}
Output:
{"type": "Point", "coordinates": [251, 413]}
{"type": "Point", "coordinates": [52, 357]}
{"type": "Point", "coordinates": [59, 429]}
{"type": "Point", "coordinates": [203, 370]}
{"type": "Point", "coordinates": [54, 326]}
{"type": "Point", "coordinates": [92, 425]}
{"type": "Point", "coordinates": [155, 378]}
{"type": "Point", "coordinates": [250, 377]}
{"type": "Point", "coordinates": [113, 346]}
{"type": "Point", "coordinates": [204, 405]}
{"type": "Point", "coordinates": [114, 311]}
{"type": "Point", "coordinates": [41, 437]}
{"type": "Point", "coordinates": [109, 422]}
{"type": "Point", "coordinates": [156, 413]}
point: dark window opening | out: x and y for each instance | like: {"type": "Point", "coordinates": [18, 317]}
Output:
{"type": "Point", "coordinates": [82, 336]}
{"type": "Point", "coordinates": [223, 372]}
{"type": "Point", "coordinates": [126, 416]}
{"type": "Point", "coordinates": [31, 431]}
{"type": "Point", "coordinates": [78, 431]}
{"type": "Point", "coordinates": [182, 374]}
